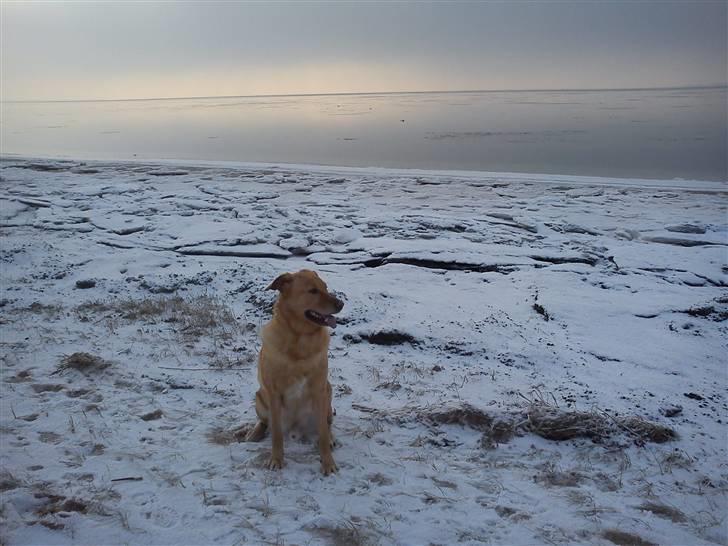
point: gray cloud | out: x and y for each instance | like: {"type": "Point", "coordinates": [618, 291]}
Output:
{"type": "Point", "coordinates": [105, 50]}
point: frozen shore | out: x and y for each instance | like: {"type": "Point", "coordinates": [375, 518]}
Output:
{"type": "Point", "coordinates": [472, 300]}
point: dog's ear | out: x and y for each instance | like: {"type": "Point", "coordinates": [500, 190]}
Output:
{"type": "Point", "coordinates": [280, 281]}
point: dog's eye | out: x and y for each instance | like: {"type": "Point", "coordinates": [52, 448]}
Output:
{"type": "Point", "coordinates": [313, 291]}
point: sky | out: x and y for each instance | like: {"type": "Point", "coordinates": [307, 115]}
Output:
{"type": "Point", "coordinates": [121, 50]}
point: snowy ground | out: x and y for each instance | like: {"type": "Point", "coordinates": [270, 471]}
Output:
{"type": "Point", "coordinates": [448, 282]}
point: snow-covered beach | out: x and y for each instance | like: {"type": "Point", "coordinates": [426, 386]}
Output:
{"type": "Point", "coordinates": [480, 310]}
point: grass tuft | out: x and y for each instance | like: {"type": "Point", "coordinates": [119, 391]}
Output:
{"type": "Point", "coordinates": [622, 538]}
{"type": "Point", "coordinates": [663, 511]}
{"type": "Point", "coordinates": [200, 316]}
{"type": "Point", "coordinates": [224, 437]}
{"type": "Point", "coordinates": [83, 362]}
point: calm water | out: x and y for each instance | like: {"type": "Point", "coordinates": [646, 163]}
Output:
{"type": "Point", "coordinates": [679, 133]}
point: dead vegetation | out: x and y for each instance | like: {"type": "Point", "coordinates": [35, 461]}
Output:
{"type": "Point", "coordinates": [193, 318]}
{"type": "Point", "coordinates": [83, 362]}
{"type": "Point", "coordinates": [556, 424]}
{"type": "Point", "coordinates": [54, 507]}
{"type": "Point", "coordinates": [224, 436]}
{"type": "Point", "coordinates": [663, 511]}
{"type": "Point", "coordinates": [622, 538]}
{"type": "Point", "coordinates": [346, 534]}
{"type": "Point", "coordinates": [46, 387]}
{"type": "Point", "coordinates": [553, 477]}
{"type": "Point", "coordinates": [8, 481]}
{"type": "Point", "coordinates": [465, 415]}
{"type": "Point", "coordinates": [152, 415]}
{"type": "Point", "coordinates": [37, 308]}
{"type": "Point", "coordinates": [546, 421]}
{"type": "Point", "coordinates": [647, 430]}
{"type": "Point", "coordinates": [22, 376]}
{"type": "Point", "coordinates": [389, 337]}
{"type": "Point", "coordinates": [506, 512]}
{"type": "Point", "coordinates": [708, 312]}
{"type": "Point", "coordinates": [59, 503]}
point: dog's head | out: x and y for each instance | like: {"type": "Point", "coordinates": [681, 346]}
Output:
{"type": "Point", "coordinates": [304, 296]}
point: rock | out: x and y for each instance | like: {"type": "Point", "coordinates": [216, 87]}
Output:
{"type": "Point", "coordinates": [170, 287]}
{"type": "Point", "coordinates": [390, 337]}
{"type": "Point", "coordinates": [574, 228]}
{"type": "Point", "coordinates": [671, 411]}
{"type": "Point", "coordinates": [541, 311]}
{"type": "Point", "coordinates": [681, 242]}
{"type": "Point", "coordinates": [686, 228]}
{"type": "Point", "coordinates": [163, 172]}
{"type": "Point", "coordinates": [152, 415]}
{"type": "Point", "coordinates": [85, 283]}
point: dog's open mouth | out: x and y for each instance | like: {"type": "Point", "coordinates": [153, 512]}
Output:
{"type": "Point", "coordinates": [321, 319]}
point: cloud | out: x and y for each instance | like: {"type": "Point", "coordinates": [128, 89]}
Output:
{"type": "Point", "coordinates": [124, 50]}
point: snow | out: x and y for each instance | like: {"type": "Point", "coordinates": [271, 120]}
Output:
{"type": "Point", "coordinates": [455, 263]}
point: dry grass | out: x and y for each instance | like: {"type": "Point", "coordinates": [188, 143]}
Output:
{"type": "Point", "coordinates": [464, 414]}
{"type": "Point", "coordinates": [20, 377]}
{"type": "Point", "coordinates": [37, 308]}
{"type": "Point", "coordinates": [224, 437]}
{"type": "Point", "coordinates": [83, 362]}
{"type": "Point", "coordinates": [663, 511]}
{"type": "Point", "coordinates": [152, 415]}
{"type": "Point", "coordinates": [193, 318]}
{"type": "Point", "coordinates": [676, 459]}
{"type": "Point", "coordinates": [224, 362]}
{"type": "Point", "coordinates": [556, 478]}
{"type": "Point", "coordinates": [623, 538]}
{"type": "Point", "coordinates": [54, 505]}
{"type": "Point", "coordinates": [547, 421]}
{"type": "Point", "coordinates": [46, 387]}
{"type": "Point", "coordinates": [8, 481]}
{"type": "Point", "coordinates": [556, 424]}
{"type": "Point", "coordinates": [647, 430]}
{"type": "Point", "coordinates": [346, 534]}
{"type": "Point", "coordinates": [63, 504]}
{"type": "Point", "coordinates": [495, 429]}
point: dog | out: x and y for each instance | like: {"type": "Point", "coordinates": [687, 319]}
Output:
{"type": "Point", "coordinates": [293, 365]}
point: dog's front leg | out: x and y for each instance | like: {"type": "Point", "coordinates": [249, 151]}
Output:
{"type": "Point", "coordinates": [323, 409]}
{"type": "Point", "coordinates": [276, 456]}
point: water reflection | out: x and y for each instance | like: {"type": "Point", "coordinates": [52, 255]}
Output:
{"type": "Point", "coordinates": [663, 133]}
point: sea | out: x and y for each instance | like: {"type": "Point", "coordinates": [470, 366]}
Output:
{"type": "Point", "coordinates": [679, 133]}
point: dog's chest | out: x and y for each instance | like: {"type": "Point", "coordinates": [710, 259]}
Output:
{"type": "Point", "coordinates": [296, 392]}
{"type": "Point", "coordinates": [298, 407]}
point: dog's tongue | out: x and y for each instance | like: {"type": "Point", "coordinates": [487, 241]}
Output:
{"type": "Point", "coordinates": [330, 321]}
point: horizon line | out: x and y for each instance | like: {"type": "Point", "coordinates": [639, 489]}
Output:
{"type": "Point", "coordinates": [351, 93]}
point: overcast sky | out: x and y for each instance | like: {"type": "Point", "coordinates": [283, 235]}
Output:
{"type": "Point", "coordinates": [172, 49]}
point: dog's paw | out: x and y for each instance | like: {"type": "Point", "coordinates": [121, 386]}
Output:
{"type": "Point", "coordinates": [328, 466]}
{"type": "Point", "coordinates": [274, 463]}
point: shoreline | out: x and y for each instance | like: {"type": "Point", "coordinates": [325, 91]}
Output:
{"type": "Point", "coordinates": [466, 175]}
